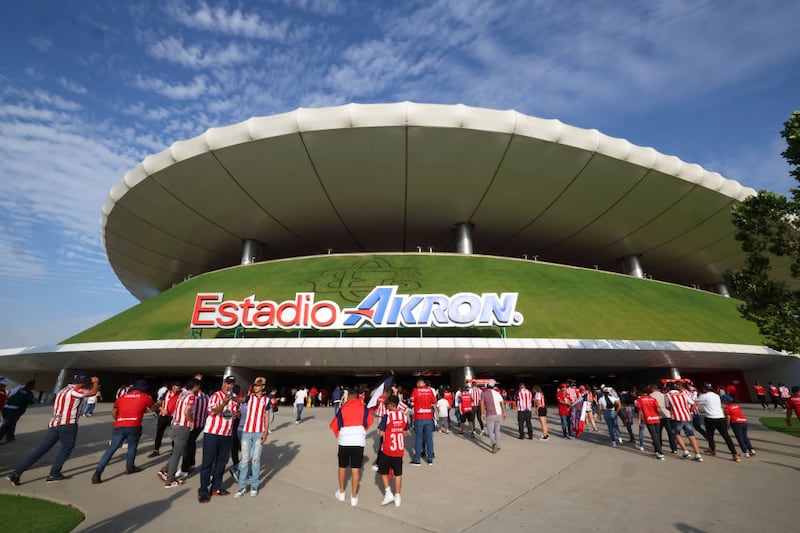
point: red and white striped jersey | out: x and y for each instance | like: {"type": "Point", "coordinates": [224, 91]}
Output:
{"type": "Point", "coordinates": [200, 409]}
{"type": "Point", "coordinates": [475, 393]}
{"type": "Point", "coordinates": [67, 407]}
{"type": "Point", "coordinates": [539, 400]}
{"type": "Point", "coordinates": [256, 407]}
{"type": "Point", "coordinates": [186, 400]}
{"type": "Point", "coordinates": [524, 400]}
{"type": "Point", "coordinates": [380, 408]}
{"type": "Point", "coordinates": [220, 423]}
{"type": "Point", "coordinates": [679, 404]}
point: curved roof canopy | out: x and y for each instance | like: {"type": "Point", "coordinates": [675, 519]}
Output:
{"type": "Point", "coordinates": [392, 177]}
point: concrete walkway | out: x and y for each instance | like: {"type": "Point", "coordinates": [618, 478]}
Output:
{"type": "Point", "coordinates": [579, 485]}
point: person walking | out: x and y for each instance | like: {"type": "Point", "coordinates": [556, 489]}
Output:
{"type": "Point", "coordinates": [610, 405]}
{"type": "Point", "coordinates": [199, 415]}
{"type": "Point", "coordinates": [180, 431]}
{"type": "Point", "coordinates": [350, 426]}
{"type": "Point", "coordinates": [19, 398]}
{"type": "Point", "coordinates": [715, 421]}
{"type": "Point", "coordinates": [650, 415]}
{"type": "Point", "coordinates": [738, 423]}
{"type": "Point", "coordinates": [63, 427]}
{"type": "Point", "coordinates": [494, 410]}
{"type": "Point", "coordinates": [423, 400]}
{"type": "Point", "coordinates": [680, 403]}
{"type": "Point", "coordinates": [166, 407]}
{"type": "Point", "coordinates": [300, 402]}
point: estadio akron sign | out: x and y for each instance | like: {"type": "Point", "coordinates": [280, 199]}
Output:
{"type": "Point", "coordinates": [383, 307]}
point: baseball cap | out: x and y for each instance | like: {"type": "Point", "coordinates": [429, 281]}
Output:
{"type": "Point", "coordinates": [727, 398]}
{"type": "Point", "coordinates": [562, 385]}
{"type": "Point", "coordinates": [491, 383]}
{"type": "Point", "coordinates": [4, 381]}
{"type": "Point", "coordinates": [82, 377]}
{"type": "Point", "coordinates": [230, 379]}
{"type": "Point", "coordinates": [140, 385]}
{"type": "Point", "coordinates": [708, 386]}
{"type": "Point", "coordinates": [260, 381]}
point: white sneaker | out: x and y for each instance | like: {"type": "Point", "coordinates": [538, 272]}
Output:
{"type": "Point", "coordinates": [239, 493]}
{"type": "Point", "coordinates": [253, 493]}
{"type": "Point", "coordinates": [397, 500]}
{"type": "Point", "coordinates": [374, 468]}
{"type": "Point", "coordinates": [339, 495]}
{"type": "Point", "coordinates": [388, 498]}
{"type": "Point", "coordinates": [686, 454]}
{"type": "Point", "coordinates": [698, 458]}
{"type": "Point", "coordinates": [353, 501]}
{"type": "Point", "coordinates": [181, 475]}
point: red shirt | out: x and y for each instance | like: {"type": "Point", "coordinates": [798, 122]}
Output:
{"type": "Point", "coordinates": [466, 404]}
{"type": "Point", "coordinates": [131, 407]}
{"type": "Point", "coordinates": [793, 404]}
{"type": "Point", "coordinates": [759, 390]}
{"type": "Point", "coordinates": [449, 397]}
{"type": "Point", "coordinates": [563, 409]}
{"type": "Point", "coordinates": [67, 406]}
{"type": "Point", "coordinates": [735, 412]}
{"type": "Point", "coordinates": [423, 399]}
{"type": "Point", "coordinates": [649, 407]}
{"type": "Point", "coordinates": [394, 424]}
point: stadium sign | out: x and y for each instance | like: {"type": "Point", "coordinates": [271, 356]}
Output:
{"type": "Point", "coordinates": [383, 307]}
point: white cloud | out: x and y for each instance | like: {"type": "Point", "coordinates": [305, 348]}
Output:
{"type": "Point", "coordinates": [173, 50]}
{"type": "Point", "coordinates": [220, 20]}
{"type": "Point", "coordinates": [195, 89]}
{"type": "Point", "coordinates": [40, 42]}
{"type": "Point", "coordinates": [71, 86]}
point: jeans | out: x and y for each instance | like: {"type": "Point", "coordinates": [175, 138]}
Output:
{"type": "Point", "coordinates": [611, 422]}
{"type": "Point", "coordinates": [641, 435]}
{"type": "Point", "coordinates": [493, 427]}
{"type": "Point", "coordinates": [423, 429]}
{"type": "Point", "coordinates": [740, 431]}
{"type": "Point", "coordinates": [118, 436]}
{"type": "Point", "coordinates": [566, 425]}
{"type": "Point", "coordinates": [250, 465]}
{"type": "Point", "coordinates": [667, 423]}
{"type": "Point", "coordinates": [10, 419]}
{"type": "Point", "coordinates": [66, 434]}
{"type": "Point", "coordinates": [216, 451]}
{"type": "Point", "coordinates": [298, 407]}
{"type": "Point", "coordinates": [89, 408]}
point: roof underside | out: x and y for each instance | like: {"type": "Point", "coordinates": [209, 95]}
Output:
{"type": "Point", "coordinates": [378, 178]}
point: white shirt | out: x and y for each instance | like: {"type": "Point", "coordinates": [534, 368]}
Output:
{"type": "Point", "coordinates": [300, 396]}
{"type": "Point", "coordinates": [443, 406]}
{"type": "Point", "coordinates": [712, 404]}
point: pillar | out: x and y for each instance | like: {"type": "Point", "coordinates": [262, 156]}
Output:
{"type": "Point", "coordinates": [459, 376]}
{"type": "Point", "coordinates": [249, 251]}
{"type": "Point", "coordinates": [722, 290]}
{"type": "Point", "coordinates": [463, 232]}
{"type": "Point", "coordinates": [244, 376]}
{"type": "Point", "coordinates": [674, 373]}
{"type": "Point", "coordinates": [632, 266]}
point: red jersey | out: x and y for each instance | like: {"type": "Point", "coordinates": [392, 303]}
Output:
{"type": "Point", "coordinates": [793, 404]}
{"type": "Point", "coordinates": [649, 407]}
{"type": "Point", "coordinates": [563, 409]}
{"type": "Point", "coordinates": [759, 390]}
{"type": "Point", "coordinates": [773, 390]}
{"type": "Point", "coordinates": [220, 423]}
{"type": "Point", "coordinates": [449, 397]}
{"type": "Point", "coordinates": [423, 399]}
{"type": "Point", "coordinates": [393, 424]}
{"type": "Point", "coordinates": [131, 407]}
{"type": "Point", "coordinates": [170, 401]}
{"type": "Point", "coordinates": [466, 404]}
{"type": "Point", "coordinates": [735, 412]}
{"type": "Point", "coordinates": [256, 407]}
{"type": "Point", "coordinates": [67, 407]}
{"type": "Point", "coordinates": [524, 400]}
{"type": "Point", "coordinates": [679, 404]}
{"type": "Point", "coordinates": [184, 400]}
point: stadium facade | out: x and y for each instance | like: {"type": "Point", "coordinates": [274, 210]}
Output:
{"type": "Point", "coordinates": [357, 190]}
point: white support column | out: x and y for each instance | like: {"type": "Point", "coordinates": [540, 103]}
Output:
{"type": "Point", "coordinates": [463, 232]}
{"type": "Point", "coordinates": [250, 251]}
{"type": "Point", "coordinates": [722, 290]}
{"type": "Point", "coordinates": [632, 266]}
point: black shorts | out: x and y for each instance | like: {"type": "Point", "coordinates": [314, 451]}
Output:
{"type": "Point", "coordinates": [352, 456]}
{"type": "Point", "coordinates": [469, 417]}
{"type": "Point", "coordinates": [542, 411]}
{"type": "Point", "coordinates": [394, 463]}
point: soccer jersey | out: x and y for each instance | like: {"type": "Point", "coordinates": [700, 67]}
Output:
{"type": "Point", "coordinates": [793, 404]}
{"type": "Point", "coordinates": [563, 409]}
{"type": "Point", "coordinates": [393, 424]}
{"type": "Point", "coordinates": [538, 400]}
{"type": "Point", "coordinates": [220, 423]}
{"type": "Point", "coordinates": [466, 403]}
{"type": "Point", "coordinates": [680, 405]}
{"type": "Point", "coordinates": [475, 393]}
{"type": "Point", "coordinates": [185, 400]}
{"type": "Point", "coordinates": [423, 399]}
{"type": "Point", "coordinates": [131, 407]}
{"type": "Point", "coordinates": [255, 408]}
{"type": "Point", "coordinates": [759, 390]}
{"type": "Point", "coordinates": [67, 406]}
{"type": "Point", "coordinates": [200, 409]}
{"type": "Point", "coordinates": [649, 407]}
{"type": "Point", "coordinates": [735, 412]}
{"type": "Point", "coordinates": [524, 400]}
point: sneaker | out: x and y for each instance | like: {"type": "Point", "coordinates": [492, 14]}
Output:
{"type": "Point", "coordinates": [570, 437]}
{"type": "Point", "coordinates": [686, 454]}
{"type": "Point", "coordinates": [374, 468]}
{"type": "Point", "coordinates": [660, 456]}
{"type": "Point", "coordinates": [54, 478]}
{"type": "Point", "coordinates": [13, 477]}
{"type": "Point", "coordinates": [253, 493]}
{"type": "Point", "coordinates": [752, 453]}
{"type": "Point", "coordinates": [162, 474]}
{"type": "Point", "coordinates": [353, 501]}
{"type": "Point", "coordinates": [296, 421]}
{"type": "Point", "coordinates": [747, 454]}
{"type": "Point", "coordinates": [619, 440]}
{"type": "Point", "coordinates": [712, 453]}
{"type": "Point", "coordinates": [133, 470]}
{"type": "Point", "coordinates": [397, 500]}
{"type": "Point", "coordinates": [220, 492]}
{"type": "Point", "coordinates": [339, 495]}
{"type": "Point", "coordinates": [698, 458]}
{"type": "Point", "coordinates": [414, 463]}
{"type": "Point", "coordinates": [613, 444]}
{"type": "Point", "coordinates": [152, 454]}
{"type": "Point", "coordinates": [388, 498]}
{"type": "Point", "coordinates": [96, 478]}
{"type": "Point", "coordinates": [181, 475]}
{"type": "Point", "coordinates": [736, 458]}
{"type": "Point", "coordinates": [544, 438]}
{"type": "Point", "coordinates": [174, 483]}
{"type": "Point", "coordinates": [494, 448]}
{"type": "Point", "coordinates": [234, 473]}
{"type": "Point", "coordinates": [203, 498]}
{"type": "Point", "coordinates": [239, 493]}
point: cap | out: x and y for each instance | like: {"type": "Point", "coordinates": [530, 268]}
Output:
{"type": "Point", "coordinates": [562, 385]}
{"type": "Point", "coordinates": [4, 381]}
{"type": "Point", "coordinates": [140, 385]}
{"type": "Point", "coordinates": [606, 389]}
{"type": "Point", "coordinates": [491, 383]}
{"type": "Point", "coordinates": [260, 381]}
{"type": "Point", "coordinates": [727, 398]}
{"type": "Point", "coordinates": [708, 386]}
{"type": "Point", "coordinates": [230, 379]}
{"type": "Point", "coordinates": [82, 377]}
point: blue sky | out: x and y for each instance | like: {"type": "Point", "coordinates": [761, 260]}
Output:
{"type": "Point", "coordinates": [89, 89]}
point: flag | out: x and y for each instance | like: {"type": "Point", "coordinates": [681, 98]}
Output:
{"type": "Point", "coordinates": [378, 392]}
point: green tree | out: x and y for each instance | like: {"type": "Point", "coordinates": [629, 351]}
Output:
{"type": "Point", "coordinates": [768, 230]}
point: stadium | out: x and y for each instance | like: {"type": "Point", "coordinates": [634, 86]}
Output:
{"type": "Point", "coordinates": [447, 241]}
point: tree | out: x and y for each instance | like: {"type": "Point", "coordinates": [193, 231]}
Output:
{"type": "Point", "coordinates": [768, 230]}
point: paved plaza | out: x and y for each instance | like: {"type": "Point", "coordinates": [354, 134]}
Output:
{"type": "Point", "coordinates": [577, 485]}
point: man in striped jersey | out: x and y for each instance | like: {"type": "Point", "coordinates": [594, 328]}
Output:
{"type": "Point", "coordinates": [524, 404]}
{"type": "Point", "coordinates": [255, 413]}
{"type": "Point", "coordinates": [680, 403]}
{"type": "Point", "coordinates": [476, 393]}
{"type": "Point", "coordinates": [199, 413]}
{"type": "Point", "coordinates": [128, 412]}
{"type": "Point", "coordinates": [222, 407]}
{"type": "Point", "coordinates": [63, 426]}
{"type": "Point", "coordinates": [181, 426]}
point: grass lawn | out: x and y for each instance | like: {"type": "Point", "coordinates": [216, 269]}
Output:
{"type": "Point", "coordinates": [30, 515]}
{"type": "Point", "coordinates": [778, 423]}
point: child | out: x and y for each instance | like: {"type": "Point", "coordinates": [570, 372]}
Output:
{"type": "Point", "coordinates": [443, 411]}
{"type": "Point", "coordinates": [738, 423]}
{"type": "Point", "coordinates": [392, 428]}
